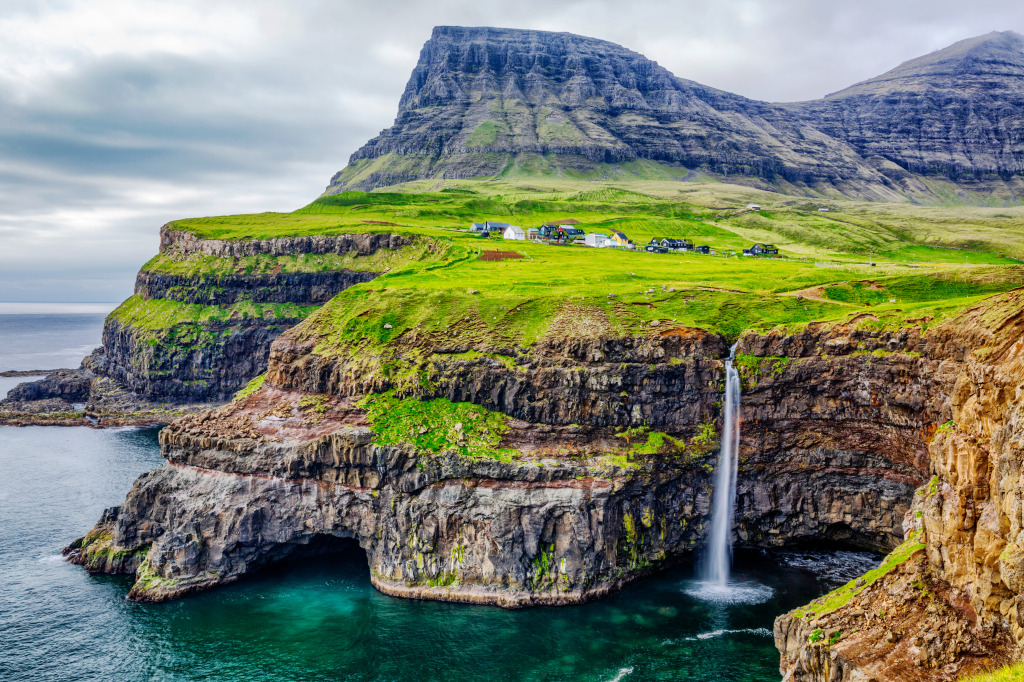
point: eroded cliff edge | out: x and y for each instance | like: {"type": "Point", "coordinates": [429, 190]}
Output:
{"type": "Point", "coordinates": [950, 602]}
{"type": "Point", "coordinates": [600, 474]}
{"type": "Point", "coordinates": [200, 323]}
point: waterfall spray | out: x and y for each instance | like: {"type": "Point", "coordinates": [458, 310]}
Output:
{"type": "Point", "coordinates": [717, 560]}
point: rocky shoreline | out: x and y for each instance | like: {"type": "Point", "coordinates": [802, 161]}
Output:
{"type": "Point", "coordinates": [561, 522]}
{"type": "Point", "coordinates": [846, 439]}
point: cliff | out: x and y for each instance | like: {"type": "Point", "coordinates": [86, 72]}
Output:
{"type": "Point", "coordinates": [205, 312]}
{"type": "Point", "coordinates": [561, 474]}
{"type": "Point", "coordinates": [493, 102]}
{"type": "Point", "coordinates": [950, 603]}
{"type": "Point", "coordinates": [954, 113]}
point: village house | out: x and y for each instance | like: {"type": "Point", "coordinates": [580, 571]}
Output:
{"type": "Point", "coordinates": [532, 234]}
{"type": "Point", "coordinates": [753, 207]}
{"type": "Point", "coordinates": [596, 240]}
{"type": "Point", "coordinates": [488, 227]}
{"type": "Point", "coordinates": [703, 249]}
{"type": "Point", "coordinates": [621, 240]}
{"type": "Point", "coordinates": [549, 231]}
{"type": "Point", "coordinates": [677, 244]}
{"type": "Point", "coordinates": [761, 250]}
{"type": "Point", "coordinates": [515, 233]}
{"type": "Point", "coordinates": [655, 247]}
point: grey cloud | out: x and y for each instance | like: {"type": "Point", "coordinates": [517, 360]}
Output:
{"type": "Point", "coordinates": [95, 158]}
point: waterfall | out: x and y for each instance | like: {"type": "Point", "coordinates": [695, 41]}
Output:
{"type": "Point", "coordinates": [717, 560]}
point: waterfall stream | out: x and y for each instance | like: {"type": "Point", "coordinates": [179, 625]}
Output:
{"type": "Point", "coordinates": [718, 558]}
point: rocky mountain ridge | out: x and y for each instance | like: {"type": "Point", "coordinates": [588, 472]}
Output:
{"type": "Point", "coordinates": [488, 102]}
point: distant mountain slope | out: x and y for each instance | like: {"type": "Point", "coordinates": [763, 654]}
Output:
{"type": "Point", "coordinates": [488, 102]}
{"type": "Point", "coordinates": [957, 113]}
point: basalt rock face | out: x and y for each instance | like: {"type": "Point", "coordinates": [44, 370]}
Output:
{"type": "Point", "coordinates": [961, 608]}
{"type": "Point", "coordinates": [184, 243]}
{"type": "Point", "coordinates": [65, 384]}
{"type": "Point", "coordinates": [301, 288]}
{"type": "Point", "coordinates": [197, 361]}
{"type": "Point", "coordinates": [486, 101]}
{"type": "Point", "coordinates": [955, 113]}
{"type": "Point", "coordinates": [562, 522]}
{"type": "Point", "coordinates": [194, 363]}
{"type": "Point", "coordinates": [237, 494]}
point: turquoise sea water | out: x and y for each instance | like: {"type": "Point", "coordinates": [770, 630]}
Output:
{"type": "Point", "coordinates": [319, 619]}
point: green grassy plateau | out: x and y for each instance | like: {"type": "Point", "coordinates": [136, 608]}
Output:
{"type": "Point", "coordinates": [929, 262]}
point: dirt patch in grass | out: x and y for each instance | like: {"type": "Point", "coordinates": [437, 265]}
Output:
{"type": "Point", "coordinates": [499, 255]}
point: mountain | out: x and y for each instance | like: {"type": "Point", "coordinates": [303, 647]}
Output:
{"type": "Point", "coordinates": [956, 113]}
{"type": "Point", "coordinates": [489, 102]}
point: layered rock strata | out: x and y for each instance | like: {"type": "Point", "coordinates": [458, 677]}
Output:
{"type": "Point", "coordinates": [202, 360]}
{"type": "Point", "coordinates": [963, 610]}
{"type": "Point", "coordinates": [484, 102]}
{"type": "Point", "coordinates": [568, 518]}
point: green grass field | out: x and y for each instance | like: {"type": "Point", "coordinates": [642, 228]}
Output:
{"type": "Point", "coordinates": [710, 213]}
{"type": "Point", "coordinates": [878, 264]}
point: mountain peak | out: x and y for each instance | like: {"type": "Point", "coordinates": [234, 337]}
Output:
{"type": "Point", "coordinates": [486, 102]}
{"type": "Point", "coordinates": [999, 54]}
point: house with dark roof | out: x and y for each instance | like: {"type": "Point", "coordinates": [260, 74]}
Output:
{"type": "Point", "coordinates": [703, 249]}
{"type": "Point", "coordinates": [677, 244]}
{"type": "Point", "coordinates": [763, 250]}
{"type": "Point", "coordinates": [550, 231]}
{"type": "Point", "coordinates": [488, 227]}
{"type": "Point", "coordinates": [621, 239]}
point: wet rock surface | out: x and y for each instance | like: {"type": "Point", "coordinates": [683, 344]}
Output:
{"type": "Point", "coordinates": [246, 484]}
{"type": "Point", "coordinates": [958, 610]}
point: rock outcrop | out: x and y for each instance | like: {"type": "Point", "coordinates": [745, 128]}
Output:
{"type": "Point", "coordinates": [955, 607]}
{"type": "Point", "coordinates": [573, 514]}
{"type": "Point", "coordinates": [199, 358]}
{"type": "Point", "coordinates": [70, 385]}
{"type": "Point", "coordinates": [486, 101]}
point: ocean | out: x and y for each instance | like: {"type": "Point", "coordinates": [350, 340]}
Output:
{"type": "Point", "coordinates": [319, 619]}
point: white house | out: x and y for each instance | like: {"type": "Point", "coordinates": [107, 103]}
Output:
{"type": "Point", "coordinates": [487, 227]}
{"type": "Point", "coordinates": [753, 207]}
{"type": "Point", "coordinates": [595, 240]}
{"type": "Point", "coordinates": [514, 232]}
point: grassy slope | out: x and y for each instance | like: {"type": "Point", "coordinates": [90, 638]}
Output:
{"type": "Point", "coordinates": [518, 301]}
{"type": "Point", "coordinates": [656, 208]}
{"type": "Point", "coordinates": [1012, 673]}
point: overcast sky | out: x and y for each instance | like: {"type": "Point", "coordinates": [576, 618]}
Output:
{"type": "Point", "coordinates": [119, 115]}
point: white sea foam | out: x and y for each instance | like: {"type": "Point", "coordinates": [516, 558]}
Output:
{"type": "Point", "coordinates": [730, 593]}
{"type": "Point", "coordinates": [831, 567]}
{"type": "Point", "coordinates": [622, 673]}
